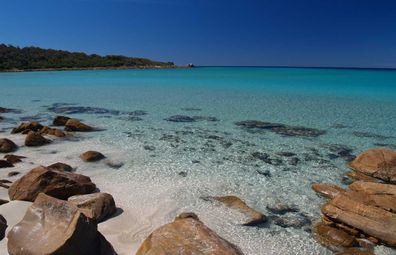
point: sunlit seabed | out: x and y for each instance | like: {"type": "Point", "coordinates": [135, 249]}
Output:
{"type": "Point", "coordinates": [357, 109]}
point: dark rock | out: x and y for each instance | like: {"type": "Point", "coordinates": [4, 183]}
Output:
{"type": "Point", "coordinates": [3, 201]}
{"type": "Point", "coordinates": [8, 110]}
{"type": "Point", "coordinates": [180, 118]}
{"type": "Point", "coordinates": [266, 158]}
{"type": "Point", "coordinates": [34, 139]}
{"type": "Point", "coordinates": [13, 173]}
{"type": "Point", "coordinates": [92, 156]}
{"type": "Point", "coordinates": [5, 164]}
{"type": "Point", "coordinates": [137, 113]}
{"type": "Point", "coordinates": [205, 118]}
{"type": "Point", "coordinates": [280, 129]}
{"type": "Point", "coordinates": [7, 146]}
{"type": "Point", "coordinates": [133, 118]}
{"type": "Point", "coordinates": [293, 161]}
{"type": "Point", "coordinates": [266, 173]}
{"type": "Point", "coordinates": [339, 126]}
{"type": "Point", "coordinates": [13, 158]}
{"type": "Point", "coordinates": [114, 165]}
{"type": "Point", "coordinates": [371, 135]}
{"type": "Point", "coordinates": [58, 184]}
{"type": "Point", "coordinates": [281, 208]}
{"type": "Point", "coordinates": [60, 167]}
{"type": "Point", "coordinates": [76, 125]}
{"type": "Point", "coordinates": [26, 127]}
{"type": "Point", "coordinates": [183, 174]}
{"type": "Point", "coordinates": [297, 221]}
{"type": "Point", "coordinates": [286, 154]}
{"type": "Point", "coordinates": [61, 109]}
{"type": "Point", "coordinates": [3, 227]}
{"type": "Point", "coordinates": [149, 148]}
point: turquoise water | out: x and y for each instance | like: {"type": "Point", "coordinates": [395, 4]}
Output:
{"type": "Point", "coordinates": [355, 108]}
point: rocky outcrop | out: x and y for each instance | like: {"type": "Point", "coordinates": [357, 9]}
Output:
{"type": "Point", "coordinates": [60, 120]}
{"type": "Point", "coordinates": [60, 167]}
{"type": "Point", "coordinates": [91, 156]}
{"type": "Point", "coordinates": [98, 206]}
{"type": "Point", "coordinates": [35, 139]}
{"type": "Point", "coordinates": [58, 184]}
{"type": "Point", "coordinates": [3, 227]}
{"type": "Point", "coordinates": [379, 163]}
{"type": "Point", "coordinates": [7, 146]}
{"type": "Point", "coordinates": [55, 227]}
{"type": "Point", "coordinates": [13, 159]}
{"type": "Point", "coordinates": [5, 164]}
{"type": "Point", "coordinates": [52, 131]}
{"type": "Point", "coordinates": [333, 238]}
{"type": "Point", "coordinates": [327, 190]}
{"type": "Point", "coordinates": [186, 235]}
{"type": "Point", "coordinates": [253, 217]}
{"type": "Point", "coordinates": [25, 127]}
{"type": "Point", "coordinates": [76, 125]}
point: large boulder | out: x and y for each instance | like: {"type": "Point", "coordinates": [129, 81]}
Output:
{"type": "Point", "coordinates": [55, 227]}
{"type": "Point", "coordinates": [25, 127]}
{"type": "Point", "coordinates": [7, 146]}
{"type": "Point", "coordinates": [98, 206]}
{"type": "Point", "coordinates": [76, 125]}
{"type": "Point", "coordinates": [327, 190]}
{"type": "Point", "coordinates": [92, 156]}
{"type": "Point", "coordinates": [186, 235]}
{"type": "Point", "coordinates": [60, 120]}
{"type": "Point", "coordinates": [333, 238]}
{"type": "Point", "coordinates": [253, 217]}
{"type": "Point", "coordinates": [5, 164]}
{"type": "Point", "coordinates": [58, 184]}
{"type": "Point", "coordinates": [34, 139]}
{"type": "Point", "coordinates": [3, 227]}
{"type": "Point", "coordinates": [371, 220]}
{"type": "Point", "coordinates": [379, 163]}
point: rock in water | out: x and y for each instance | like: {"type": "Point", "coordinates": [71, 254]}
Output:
{"type": "Point", "coordinates": [52, 131]}
{"type": "Point", "coordinates": [92, 156]}
{"type": "Point", "coordinates": [13, 159]}
{"type": "Point", "coordinates": [3, 227]}
{"type": "Point", "coordinates": [57, 184]}
{"type": "Point", "coordinates": [98, 206]}
{"type": "Point", "coordinates": [34, 139]}
{"type": "Point", "coordinates": [5, 163]}
{"type": "Point", "coordinates": [327, 190]}
{"type": "Point", "coordinates": [253, 217]}
{"type": "Point", "coordinates": [186, 235]}
{"type": "Point", "coordinates": [76, 125]}
{"type": "Point", "coordinates": [333, 238]}
{"type": "Point", "coordinates": [60, 120]}
{"type": "Point", "coordinates": [60, 167]}
{"type": "Point", "coordinates": [26, 127]}
{"type": "Point", "coordinates": [7, 146]}
{"type": "Point", "coordinates": [379, 163]}
{"type": "Point", "coordinates": [55, 227]}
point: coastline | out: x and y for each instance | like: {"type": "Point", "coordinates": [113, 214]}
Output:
{"type": "Point", "coordinates": [90, 69]}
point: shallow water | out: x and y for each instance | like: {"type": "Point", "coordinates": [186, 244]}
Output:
{"type": "Point", "coordinates": [356, 109]}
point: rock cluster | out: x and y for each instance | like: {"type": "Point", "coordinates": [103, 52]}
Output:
{"type": "Point", "coordinates": [366, 211]}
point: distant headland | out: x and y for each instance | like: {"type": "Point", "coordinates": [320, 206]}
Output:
{"type": "Point", "coordinates": [16, 59]}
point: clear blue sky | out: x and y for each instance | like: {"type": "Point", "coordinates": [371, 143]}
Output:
{"type": "Point", "coordinates": [359, 33]}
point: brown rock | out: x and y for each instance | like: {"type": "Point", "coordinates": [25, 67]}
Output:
{"type": "Point", "coordinates": [98, 206]}
{"type": "Point", "coordinates": [356, 251]}
{"type": "Point", "coordinates": [34, 139]}
{"type": "Point", "coordinates": [76, 125]}
{"type": "Point", "coordinates": [58, 184]}
{"type": "Point", "coordinates": [3, 227]}
{"type": "Point", "coordinates": [378, 163]}
{"type": "Point", "coordinates": [333, 238]}
{"type": "Point", "coordinates": [186, 235]}
{"type": "Point", "coordinates": [60, 167]}
{"type": "Point", "coordinates": [371, 220]}
{"type": "Point", "coordinates": [358, 176]}
{"type": "Point", "coordinates": [5, 164]}
{"type": "Point", "coordinates": [253, 217]}
{"type": "Point", "coordinates": [92, 156]}
{"type": "Point", "coordinates": [55, 227]}
{"type": "Point", "coordinates": [7, 146]}
{"type": "Point", "coordinates": [52, 131]}
{"type": "Point", "coordinates": [25, 127]}
{"type": "Point", "coordinates": [327, 190]}
{"type": "Point", "coordinates": [60, 120]}
{"type": "Point", "coordinates": [13, 158]}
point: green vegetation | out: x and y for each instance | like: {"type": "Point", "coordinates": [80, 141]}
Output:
{"type": "Point", "coordinates": [30, 58]}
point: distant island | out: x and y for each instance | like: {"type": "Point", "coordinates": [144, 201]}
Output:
{"type": "Point", "coordinates": [33, 58]}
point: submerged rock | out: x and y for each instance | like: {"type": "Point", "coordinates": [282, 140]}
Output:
{"type": "Point", "coordinates": [296, 221]}
{"type": "Point", "coordinates": [327, 190]}
{"type": "Point", "coordinates": [7, 146]}
{"type": "Point", "coordinates": [371, 135]}
{"type": "Point", "coordinates": [280, 129]}
{"type": "Point", "coordinates": [253, 217]}
{"type": "Point", "coordinates": [13, 158]}
{"type": "Point", "coordinates": [97, 206]}
{"type": "Point", "coordinates": [60, 120]}
{"type": "Point", "coordinates": [92, 156]}
{"type": "Point", "coordinates": [379, 163]}
{"type": "Point", "coordinates": [180, 118]}
{"type": "Point", "coordinates": [333, 238]}
{"type": "Point", "coordinates": [55, 227]}
{"type": "Point", "coordinates": [68, 109]}
{"type": "Point", "coordinates": [58, 184]}
{"type": "Point", "coordinates": [34, 139]}
{"type": "Point", "coordinates": [76, 125]}
{"type": "Point", "coordinates": [9, 110]}
{"type": "Point", "coordinates": [186, 235]}
{"type": "Point", "coordinates": [281, 208]}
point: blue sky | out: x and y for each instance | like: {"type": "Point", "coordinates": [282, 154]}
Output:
{"type": "Point", "coordinates": [359, 33]}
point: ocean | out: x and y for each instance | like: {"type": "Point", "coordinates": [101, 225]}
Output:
{"type": "Point", "coordinates": [315, 121]}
